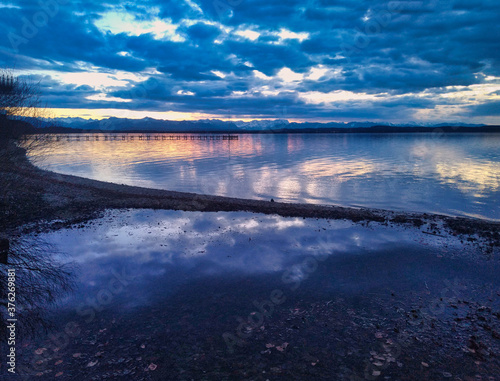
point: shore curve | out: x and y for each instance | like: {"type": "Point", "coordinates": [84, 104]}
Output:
{"type": "Point", "coordinates": [32, 196]}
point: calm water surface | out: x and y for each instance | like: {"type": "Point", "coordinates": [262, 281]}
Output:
{"type": "Point", "coordinates": [456, 174]}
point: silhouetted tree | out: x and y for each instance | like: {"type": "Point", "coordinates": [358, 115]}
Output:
{"type": "Point", "coordinates": [18, 95]}
{"type": "Point", "coordinates": [40, 278]}
{"type": "Point", "coordinates": [19, 99]}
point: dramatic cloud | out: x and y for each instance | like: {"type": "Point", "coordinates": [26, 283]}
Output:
{"type": "Point", "coordinates": [393, 61]}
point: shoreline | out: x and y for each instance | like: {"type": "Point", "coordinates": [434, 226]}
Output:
{"type": "Point", "coordinates": [58, 200]}
{"type": "Point", "coordinates": [203, 127]}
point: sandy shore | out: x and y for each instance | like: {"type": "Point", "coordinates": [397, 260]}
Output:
{"type": "Point", "coordinates": [33, 199]}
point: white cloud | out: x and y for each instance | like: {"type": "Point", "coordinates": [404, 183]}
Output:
{"type": "Point", "coordinates": [117, 22]}
{"type": "Point", "coordinates": [219, 74]}
{"type": "Point", "coordinates": [185, 92]}
{"type": "Point", "coordinates": [98, 80]}
{"type": "Point", "coordinates": [107, 98]}
{"type": "Point", "coordinates": [12, 6]}
{"type": "Point", "coordinates": [316, 97]}
{"type": "Point", "coordinates": [288, 75]}
{"type": "Point", "coordinates": [260, 75]}
{"type": "Point", "coordinates": [472, 94]}
{"type": "Point", "coordinates": [249, 34]}
{"type": "Point", "coordinates": [285, 34]}
{"type": "Point", "coordinates": [316, 73]}
{"type": "Point", "coordinates": [194, 6]}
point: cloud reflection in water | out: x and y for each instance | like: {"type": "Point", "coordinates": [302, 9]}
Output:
{"type": "Point", "coordinates": [455, 174]}
{"type": "Point", "coordinates": [166, 249]}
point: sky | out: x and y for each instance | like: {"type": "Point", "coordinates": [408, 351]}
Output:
{"type": "Point", "coordinates": [309, 60]}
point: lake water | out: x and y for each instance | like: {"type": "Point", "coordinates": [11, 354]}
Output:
{"type": "Point", "coordinates": [456, 174]}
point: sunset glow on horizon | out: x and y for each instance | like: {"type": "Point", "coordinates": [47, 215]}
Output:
{"type": "Point", "coordinates": [386, 62]}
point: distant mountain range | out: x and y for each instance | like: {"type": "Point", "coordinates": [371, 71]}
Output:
{"type": "Point", "coordinates": [219, 126]}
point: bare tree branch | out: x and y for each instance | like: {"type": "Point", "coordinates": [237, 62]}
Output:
{"type": "Point", "coordinates": [19, 96]}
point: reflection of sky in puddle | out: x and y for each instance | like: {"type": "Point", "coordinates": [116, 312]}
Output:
{"type": "Point", "coordinates": [165, 250]}
{"type": "Point", "coordinates": [163, 287]}
{"type": "Point", "coordinates": [456, 174]}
